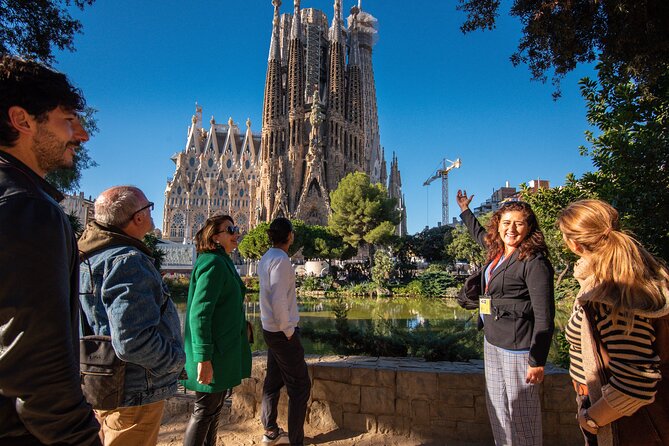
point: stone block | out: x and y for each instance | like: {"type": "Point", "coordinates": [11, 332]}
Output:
{"type": "Point", "coordinates": [393, 425]}
{"type": "Point", "coordinates": [386, 378]}
{"type": "Point", "coordinates": [481, 410]}
{"type": "Point", "coordinates": [351, 407]}
{"type": "Point", "coordinates": [362, 376]}
{"type": "Point", "coordinates": [444, 412]}
{"type": "Point", "coordinates": [550, 423]}
{"type": "Point", "coordinates": [412, 385]}
{"type": "Point", "coordinates": [456, 397]}
{"type": "Point", "coordinates": [479, 433]}
{"type": "Point", "coordinates": [558, 399]}
{"type": "Point", "coordinates": [461, 381]}
{"type": "Point", "coordinates": [402, 407]}
{"type": "Point", "coordinates": [420, 412]}
{"type": "Point", "coordinates": [331, 372]}
{"type": "Point", "coordinates": [325, 416]}
{"type": "Point", "coordinates": [335, 391]}
{"type": "Point", "coordinates": [377, 400]}
{"type": "Point", "coordinates": [359, 422]}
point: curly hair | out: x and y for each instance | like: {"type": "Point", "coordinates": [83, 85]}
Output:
{"type": "Point", "coordinates": [36, 88]}
{"type": "Point", "coordinates": [533, 244]}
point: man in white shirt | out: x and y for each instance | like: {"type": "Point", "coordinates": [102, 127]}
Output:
{"type": "Point", "coordinates": [285, 355]}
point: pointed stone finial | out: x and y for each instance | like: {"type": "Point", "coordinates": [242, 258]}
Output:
{"type": "Point", "coordinates": [212, 121]}
{"type": "Point", "coordinates": [274, 49]}
{"type": "Point", "coordinates": [230, 122]}
{"type": "Point", "coordinates": [248, 123]}
{"type": "Point", "coordinates": [296, 27]}
{"type": "Point", "coordinates": [335, 29]}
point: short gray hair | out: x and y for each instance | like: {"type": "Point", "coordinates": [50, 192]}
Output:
{"type": "Point", "coordinates": [116, 205]}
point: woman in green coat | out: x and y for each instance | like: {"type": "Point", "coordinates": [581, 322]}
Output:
{"type": "Point", "coordinates": [218, 354]}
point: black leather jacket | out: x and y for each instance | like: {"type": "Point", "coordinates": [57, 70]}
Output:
{"type": "Point", "coordinates": [40, 393]}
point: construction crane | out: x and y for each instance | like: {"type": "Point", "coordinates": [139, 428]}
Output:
{"type": "Point", "coordinates": [443, 174]}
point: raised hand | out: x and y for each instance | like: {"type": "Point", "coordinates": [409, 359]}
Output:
{"type": "Point", "coordinates": [463, 200]}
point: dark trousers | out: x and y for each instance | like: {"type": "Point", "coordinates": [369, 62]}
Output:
{"type": "Point", "coordinates": [286, 366]}
{"type": "Point", "coordinates": [203, 423]}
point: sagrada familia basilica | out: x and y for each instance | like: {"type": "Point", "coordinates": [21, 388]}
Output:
{"type": "Point", "coordinates": [320, 123]}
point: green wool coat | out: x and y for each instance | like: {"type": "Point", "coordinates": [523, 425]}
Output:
{"type": "Point", "coordinates": [215, 324]}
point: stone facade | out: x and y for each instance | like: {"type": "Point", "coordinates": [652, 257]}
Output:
{"type": "Point", "coordinates": [319, 116]}
{"type": "Point", "coordinates": [320, 123]}
{"type": "Point", "coordinates": [216, 173]}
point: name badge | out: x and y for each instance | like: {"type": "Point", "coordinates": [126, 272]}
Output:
{"type": "Point", "coordinates": [484, 305]}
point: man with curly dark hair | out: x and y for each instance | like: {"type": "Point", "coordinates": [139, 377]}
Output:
{"type": "Point", "coordinates": [40, 395]}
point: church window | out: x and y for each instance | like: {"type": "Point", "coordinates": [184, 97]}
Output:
{"type": "Point", "coordinates": [220, 192]}
{"type": "Point", "coordinates": [199, 222]}
{"type": "Point", "coordinates": [210, 162]}
{"type": "Point", "coordinates": [177, 226]}
{"type": "Point", "coordinates": [191, 161]}
{"type": "Point", "coordinates": [229, 163]}
{"type": "Point", "coordinates": [241, 193]}
{"type": "Point", "coordinates": [248, 164]}
{"type": "Point", "coordinates": [199, 191]}
{"type": "Point", "coordinates": [179, 190]}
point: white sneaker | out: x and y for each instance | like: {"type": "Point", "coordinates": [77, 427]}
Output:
{"type": "Point", "coordinates": [278, 437]}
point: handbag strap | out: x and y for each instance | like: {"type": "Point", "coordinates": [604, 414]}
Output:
{"type": "Point", "coordinates": [602, 353]}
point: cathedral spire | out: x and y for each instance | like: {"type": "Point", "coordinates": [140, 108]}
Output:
{"type": "Point", "coordinates": [296, 27]}
{"type": "Point", "coordinates": [274, 48]}
{"type": "Point", "coordinates": [335, 29]}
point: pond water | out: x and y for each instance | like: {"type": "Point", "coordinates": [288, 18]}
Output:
{"type": "Point", "coordinates": [397, 313]}
{"type": "Point", "coordinates": [383, 313]}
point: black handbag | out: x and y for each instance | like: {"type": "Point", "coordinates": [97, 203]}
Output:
{"type": "Point", "coordinates": [468, 296]}
{"type": "Point", "coordinates": [102, 372]}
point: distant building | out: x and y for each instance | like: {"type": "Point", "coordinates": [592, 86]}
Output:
{"type": "Point", "coordinates": [79, 206]}
{"type": "Point", "coordinates": [494, 202]}
{"type": "Point", "coordinates": [535, 185]}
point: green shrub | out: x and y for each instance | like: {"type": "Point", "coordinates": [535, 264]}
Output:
{"type": "Point", "coordinates": [310, 283]}
{"type": "Point", "coordinates": [436, 284]}
{"type": "Point", "coordinates": [252, 284]}
{"type": "Point", "coordinates": [178, 287]}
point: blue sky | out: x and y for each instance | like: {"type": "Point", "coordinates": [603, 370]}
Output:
{"type": "Point", "coordinates": [144, 64]}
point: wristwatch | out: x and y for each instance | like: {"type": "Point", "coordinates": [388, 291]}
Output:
{"type": "Point", "coordinates": [589, 421]}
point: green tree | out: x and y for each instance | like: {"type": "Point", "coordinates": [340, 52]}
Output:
{"type": "Point", "coordinates": [362, 212]}
{"type": "Point", "coordinates": [631, 151]}
{"type": "Point", "coordinates": [464, 247]}
{"type": "Point", "coordinates": [321, 243]}
{"type": "Point", "coordinates": [255, 242]}
{"type": "Point", "coordinates": [158, 254]}
{"type": "Point", "coordinates": [547, 204]}
{"type": "Point", "coordinates": [558, 35]}
{"type": "Point", "coordinates": [383, 268]}
{"type": "Point", "coordinates": [34, 28]}
{"type": "Point", "coordinates": [431, 243]}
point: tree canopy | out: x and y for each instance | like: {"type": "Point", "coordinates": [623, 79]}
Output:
{"type": "Point", "coordinates": [631, 151]}
{"type": "Point", "coordinates": [256, 242]}
{"type": "Point", "coordinates": [362, 212]}
{"type": "Point", "coordinates": [464, 247]}
{"type": "Point", "coordinates": [559, 34]}
{"type": "Point", "coordinates": [34, 28]}
{"type": "Point", "coordinates": [431, 243]}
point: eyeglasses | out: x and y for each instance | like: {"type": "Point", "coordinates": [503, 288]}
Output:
{"type": "Point", "coordinates": [149, 205]}
{"type": "Point", "coordinates": [232, 230]}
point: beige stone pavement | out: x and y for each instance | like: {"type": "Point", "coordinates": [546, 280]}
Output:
{"type": "Point", "coordinates": [250, 432]}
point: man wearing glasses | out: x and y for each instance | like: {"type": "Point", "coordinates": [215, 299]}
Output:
{"type": "Point", "coordinates": [123, 296]}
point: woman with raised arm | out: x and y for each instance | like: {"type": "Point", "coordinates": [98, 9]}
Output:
{"type": "Point", "coordinates": [516, 311]}
{"type": "Point", "coordinates": [618, 331]}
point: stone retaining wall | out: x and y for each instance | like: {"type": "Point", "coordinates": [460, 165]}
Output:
{"type": "Point", "coordinates": [440, 402]}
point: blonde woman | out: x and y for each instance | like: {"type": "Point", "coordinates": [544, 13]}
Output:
{"type": "Point", "coordinates": [618, 325]}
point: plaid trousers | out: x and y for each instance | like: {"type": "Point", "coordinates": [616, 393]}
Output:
{"type": "Point", "coordinates": [514, 407]}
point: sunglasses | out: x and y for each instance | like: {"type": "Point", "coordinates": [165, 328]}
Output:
{"type": "Point", "coordinates": [232, 230]}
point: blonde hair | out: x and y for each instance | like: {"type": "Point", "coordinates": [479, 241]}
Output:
{"type": "Point", "coordinates": [622, 268]}
{"type": "Point", "coordinates": [204, 238]}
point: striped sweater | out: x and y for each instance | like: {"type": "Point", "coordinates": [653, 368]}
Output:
{"type": "Point", "coordinates": [633, 362]}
